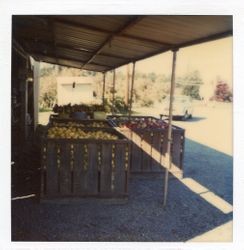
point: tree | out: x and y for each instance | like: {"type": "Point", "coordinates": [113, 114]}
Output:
{"type": "Point", "coordinates": [222, 92]}
{"type": "Point", "coordinates": [190, 84]}
{"type": "Point", "coordinates": [152, 76]}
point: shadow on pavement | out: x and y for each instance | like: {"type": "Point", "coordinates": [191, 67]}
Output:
{"type": "Point", "coordinates": [193, 119]}
{"type": "Point", "coordinates": [209, 167]}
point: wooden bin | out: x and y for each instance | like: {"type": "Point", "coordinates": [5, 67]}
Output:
{"type": "Point", "coordinates": [85, 168]}
{"type": "Point", "coordinates": [148, 146]}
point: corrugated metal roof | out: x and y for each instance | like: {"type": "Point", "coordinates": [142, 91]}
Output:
{"type": "Point", "coordinates": [102, 43]}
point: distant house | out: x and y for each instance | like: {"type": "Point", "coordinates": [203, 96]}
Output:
{"type": "Point", "coordinates": [75, 90]}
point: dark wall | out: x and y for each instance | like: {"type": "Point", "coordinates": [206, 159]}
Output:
{"type": "Point", "coordinates": [22, 103]}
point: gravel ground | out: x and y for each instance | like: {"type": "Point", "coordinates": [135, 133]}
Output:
{"type": "Point", "coordinates": [142, 217]}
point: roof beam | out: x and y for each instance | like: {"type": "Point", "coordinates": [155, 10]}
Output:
{"type": "Point", "coordinates": [125, 26]}
{"type": "Point", "coordinates": [62, 64]}
{"type": "Point", "coordinates": [67, 59]}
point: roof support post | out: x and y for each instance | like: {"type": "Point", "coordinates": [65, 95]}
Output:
{"type": "Point", "coordinates": [169, 135]}
{"type": "Point", "coordinates": [104, 82]}
{"type": "Point", "coordinates": [132, 89]}
{"type": "Point", "coordinates": [113, 93]}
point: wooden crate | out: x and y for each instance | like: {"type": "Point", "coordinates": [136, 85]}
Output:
{"type": "Point", "coordinates": [149, 145]}
{"type": "Point", "coordinates": [85, 168]}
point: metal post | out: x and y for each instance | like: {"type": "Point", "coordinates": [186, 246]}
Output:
{"type": "Point", "coordinates": [113, 99]}
{"type": "Point", "coordinates": [132, 89]}
{"type": "Point", "coordinates": [104, 82]}
{"type": "Point", "coordinates": [169, 136]}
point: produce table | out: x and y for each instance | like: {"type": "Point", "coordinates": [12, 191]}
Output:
{"type": "Point", "coordinates": [149, 142]}
{"type": "Point", "coordinates": [76, 167]}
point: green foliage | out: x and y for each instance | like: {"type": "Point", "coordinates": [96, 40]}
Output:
{"type": "Point", "coordinates": [192, 91]}
{"type": "Point", "coordinates": [45, 109]}
{"type": "Point", "coordinates": [190, 84]}
{"type": "Point", "coordinates": [147, 102]}
{"type": "Point", "coordinates": [149, 88]}
{"type": "Point", "coordinates": [107, 105]}
{"type": "Point", "coordinates": [152, 77]}
{"type": "Point", "coordinates": [119, 105]}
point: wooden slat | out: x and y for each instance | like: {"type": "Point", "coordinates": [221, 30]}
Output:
{"type": "Point", "coordinates": [176, 149]}
{"type": "Point", "coordinates": [120, 173]}
{"type": "Point", "coordinates": [136, 154]}
{"type": "Point", "coordinates": [79, 183]}
{"type": "Point", "coordinates": [43, 169]}
{"type": "Point", "coordinates": [146, 147]}
{"type": "Point", "coordinates": [156, 146]}
{"type": "Point", "coordinates": [106, 169]}
{"type": "Point", "coordinates": [164, 143]}
{"type": "Point", "coordinates": [52, 171]}
{"type": "Point", "coordinates": [92, 171]}
{"type": "Point", "coordinates": [182, 149]}
{"type": "Point", "coordinates": [65, 169]}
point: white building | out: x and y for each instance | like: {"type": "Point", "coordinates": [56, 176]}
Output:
{"type": "Point", "coordinates": [75, 90]}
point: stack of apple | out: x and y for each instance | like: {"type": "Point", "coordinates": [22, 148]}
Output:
{"type": "Point", "coordinates": [93, 124]}
{"type": "Point", "coordinates": [68, 108]}
{"type": "Point", "coordinates": [143, 123]}
{"type": "Point", "coordinates": [77, 133]}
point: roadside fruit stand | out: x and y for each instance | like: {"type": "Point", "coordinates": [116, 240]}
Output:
{"type": "Point", "coordinates": [95, 157]}
{"type": "Point", "coordinates": [103, 44]}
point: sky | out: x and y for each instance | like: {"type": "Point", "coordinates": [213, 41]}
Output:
{"type": "Point", "coordinates": [211, 59]}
